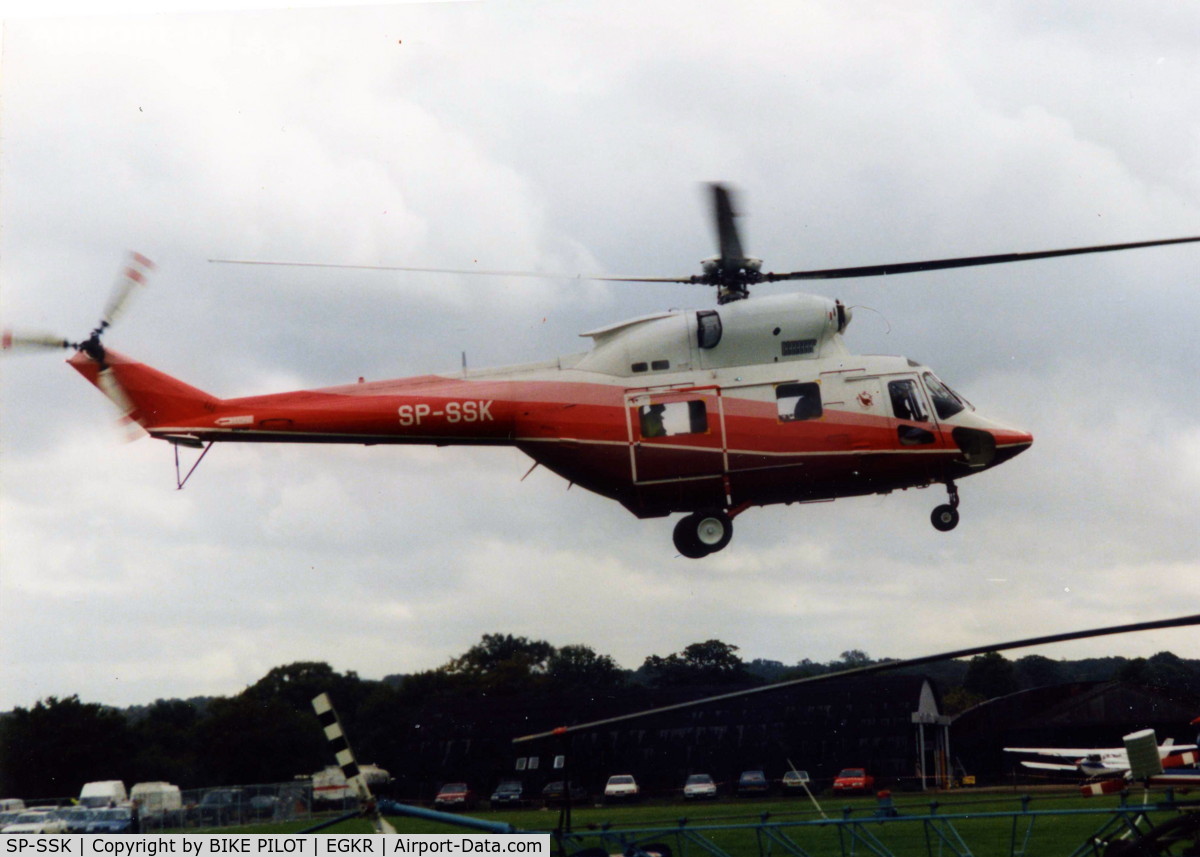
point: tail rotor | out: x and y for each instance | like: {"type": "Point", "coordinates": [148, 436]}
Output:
{"type": "Point", "coordinates": [134, 276]}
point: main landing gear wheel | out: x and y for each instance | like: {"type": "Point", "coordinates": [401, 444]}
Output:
{"type": "Point", "coordinates": [701, 533]}
{"type": "Point", "coordinates": [945, 517]}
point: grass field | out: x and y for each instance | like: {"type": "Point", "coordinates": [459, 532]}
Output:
{"type": "Point", "coordinates": [983, 821]}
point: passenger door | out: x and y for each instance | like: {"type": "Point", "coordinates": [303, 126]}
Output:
{"type": "Point", "coordinates": [676, 434]}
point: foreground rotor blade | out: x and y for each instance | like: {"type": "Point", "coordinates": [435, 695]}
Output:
{"type": "Point", "coordinates": [882, 666]}
{"type": "Point", "coordinates": [727, 234]}
{"type": "Point", "coordinates": [31, 341]}
{"type": "Point", "coordinates": [961, 262]}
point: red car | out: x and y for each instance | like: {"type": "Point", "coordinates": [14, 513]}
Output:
{"type": "Point", "coordinates": [454, 797]}
{"type": "Point", "coordinates": [853, 780]}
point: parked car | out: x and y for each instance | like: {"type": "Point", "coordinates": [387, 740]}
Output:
{"type": "Point", "coordinates": [621, 787]}
{"type": "Point", "coordinates": [699, 787]}
{"type": "Point", "coordinates": [77, 818]}
{"type": "Point", "coordinates": [454, 797]}
{"type": "Point", "coordinates": [223, 806]}
{"type": "Point", "coordinates": [795, 781]}
{"type": "Point", "coordinates": [555, 793]}
{"type": "Point", "coordinates": [11, 804]}
{"type": "Point", "coordinates": [118, 819]}
{"type": "Point", "coordinates": [853, 781]}
{"type": "Point", "coordinates": [37, 821]}
{"type": "Point", "coordinates": [7, 818]}
{"type": "Point", "coordinates": [510, 793]}
{"type": "Point", "coordinates": [752, 783]}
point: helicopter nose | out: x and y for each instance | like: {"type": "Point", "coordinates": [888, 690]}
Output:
{"type": "Point", "coordinates": [1011, 442]}
{"type": "Point", "coordinates": [986, 443]}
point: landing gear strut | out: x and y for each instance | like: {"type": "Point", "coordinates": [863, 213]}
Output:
{"type": "Point", "coordinates": [701, 533]}
{"type": "Point", "coordinates": [945, 517]}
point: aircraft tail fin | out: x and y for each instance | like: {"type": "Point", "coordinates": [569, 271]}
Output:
{"type": "Point", "coordinates": [146, 397]}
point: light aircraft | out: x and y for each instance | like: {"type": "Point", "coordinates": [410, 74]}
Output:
{"type": "Point", "coordinates": [708, 412]}
{"type": "Point", "coordinates": [1140, 758]}
{"type": "Point", "coordinates": [1100, 762]}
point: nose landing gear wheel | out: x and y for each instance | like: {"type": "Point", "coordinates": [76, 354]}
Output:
{"type": "Point", "coordinates": [701, 533]}
{"type": "Point", "coordinates": [945, 518]}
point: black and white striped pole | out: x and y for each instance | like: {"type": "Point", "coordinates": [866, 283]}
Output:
{"type": "Point", "coordinates": [349, 765]}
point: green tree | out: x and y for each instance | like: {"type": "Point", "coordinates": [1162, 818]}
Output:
{"type": "Point", "coordinates": [1038, 671]}
{"type": "Point", "coordinates": [165, 736]}
{"type": "Point", "coordinates": [502, 662]}
{"type": "Point", "coordinates": [250, 739]}
{"type": "Point", "coordinates": [990, 675]}
{"type": "Point", "coordinates": [295, 685]}
{"type": "Point", "coordinates": [50, 750]}
{"type": "Point", "coordinates": [576, 666]}
{"type": "Point", "coordinates": [710, 662]}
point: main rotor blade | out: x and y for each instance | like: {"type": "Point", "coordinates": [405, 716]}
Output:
{"type": "Point", "coordinates": [961, 262]}
{"type": "Point", "coordinates": [546, 275]}
{"type": "Point", "coordinates": [727, 234]}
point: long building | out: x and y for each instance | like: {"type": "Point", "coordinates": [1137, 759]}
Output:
{"type": "Point", "coordinates": [889, 724]}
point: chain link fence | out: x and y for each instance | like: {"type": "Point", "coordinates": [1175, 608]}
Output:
{"type": "Point", "coordinates": [234, 806]}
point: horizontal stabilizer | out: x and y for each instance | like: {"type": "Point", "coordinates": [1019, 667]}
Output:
{"type": "Point", "coordinates": [1181, 760]}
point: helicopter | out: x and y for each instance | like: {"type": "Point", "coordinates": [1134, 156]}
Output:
{"type": "Point", "coordinates": [707, 412]}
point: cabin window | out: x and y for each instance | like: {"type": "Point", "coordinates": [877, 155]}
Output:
{"type": "Point", "coordinates": [796, 347]}
{"type": "Point", "coordinates": [639, 367]}
{"type": "Point", "coordinates": [660, 365]}
{"type": "Point", "coordinates": [798, 401]}
{"type": "Point", "coordinates": [906, 401]}
{"type": "Point", "coordinates": [708, 328]}
{"type": "Point", "coordinates": [946, 402]}
{"type": "Point", "coordinates": [667, 419]}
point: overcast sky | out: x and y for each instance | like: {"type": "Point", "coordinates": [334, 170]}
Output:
{"type": "Point", "coordinates": [575, 136]}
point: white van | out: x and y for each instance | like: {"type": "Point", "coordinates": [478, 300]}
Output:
{"type": "Point", "coordinates": [156, 798]}
{"type": "Point", "coordinates": [11, 804]}
{"type": "Point", "coordinates": [102, 793]}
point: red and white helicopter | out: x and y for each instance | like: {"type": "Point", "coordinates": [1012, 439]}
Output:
{"type": "Point", "coordinates": [708, 412]}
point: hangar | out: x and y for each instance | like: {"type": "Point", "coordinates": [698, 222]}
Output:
{"type": "Point", "coordinates": [890, 724]}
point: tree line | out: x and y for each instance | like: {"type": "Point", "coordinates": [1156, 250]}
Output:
{"type": "Point", "coordinates": [268, 733]}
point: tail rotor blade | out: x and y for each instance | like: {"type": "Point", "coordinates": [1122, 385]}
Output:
{"type": "Point", "coordinates": [133, 276]}
{"type": "Point", "coordinates": [11, 340]}
{"type": "Point", "coordinates": [116, 394]}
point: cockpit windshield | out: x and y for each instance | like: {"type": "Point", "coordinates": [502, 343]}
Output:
{"type": "Point", "coordinates": [946, 402]}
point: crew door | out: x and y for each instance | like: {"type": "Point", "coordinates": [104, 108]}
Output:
{"type": "Point", "coordinates": [918, 426]}
{"type": "Point", "coordinates": [676, 435]}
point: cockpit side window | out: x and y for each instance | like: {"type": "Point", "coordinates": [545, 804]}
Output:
{"type": "Point", "coordinates": [946, 402]}
{"type": "Point", "coordinates": [708, 328]}
{"type": "Point", "coordinates": [906, 401]}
